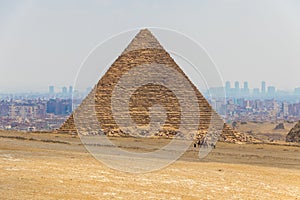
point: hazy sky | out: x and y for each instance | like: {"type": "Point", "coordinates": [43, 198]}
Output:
{"type": "Point", "coordinates": [44, 42]}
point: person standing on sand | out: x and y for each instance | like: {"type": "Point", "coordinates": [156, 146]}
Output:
{"type": "Point", "coordinates": [199, 142]}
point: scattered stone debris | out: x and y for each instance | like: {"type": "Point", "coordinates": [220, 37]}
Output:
{"type": "Point", "coordinates": [279, 126]}
{"type": "Point", "coordinates": [294, 134]}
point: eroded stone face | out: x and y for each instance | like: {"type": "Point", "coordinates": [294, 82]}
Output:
{"type": "Point", "coordinates": [143, 50]}
{"type": "Point", "coordinates": [294, 134]}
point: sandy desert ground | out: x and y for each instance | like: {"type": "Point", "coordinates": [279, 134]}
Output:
{"type": "Point", "coordinates": [266, 131]}
{"type": "Point", "coordinates": [52, 166]}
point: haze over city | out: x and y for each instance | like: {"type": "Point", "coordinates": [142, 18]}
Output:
{"type": "Point", "coordinates": [43, 43]}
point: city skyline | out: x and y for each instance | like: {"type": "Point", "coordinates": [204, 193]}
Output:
{"type": "Point", "coordinates": [36, 114]}
{"type": "Point", "coordinates": [69, 88]}
{"type": "Point", "coordinates": [263, 89]}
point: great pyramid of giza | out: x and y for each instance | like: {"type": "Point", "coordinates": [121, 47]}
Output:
{"type": "Point", "coordinates": [294, 134]}
{"type": "Point", "coordinates": [145, 49]}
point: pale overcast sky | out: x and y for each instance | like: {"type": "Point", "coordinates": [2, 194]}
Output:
{"type": "Point", "coordinates": [43, 43]}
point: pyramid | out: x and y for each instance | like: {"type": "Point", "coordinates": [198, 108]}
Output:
{"type": "Point", "coordinates": [294, 134]}
{"type": "Point", "coordinates": [145, 49]}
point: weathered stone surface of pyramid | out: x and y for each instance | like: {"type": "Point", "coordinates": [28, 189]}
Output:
{"type": "Point", "coordinates": [294, 134]}
{"type": "Point", "coordinates": [145, 49]}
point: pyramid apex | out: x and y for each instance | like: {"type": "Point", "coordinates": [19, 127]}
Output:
{"type": "Point", "coordinates": [143, 40]}
{"type": "Point", "coordinates": [145, 30]}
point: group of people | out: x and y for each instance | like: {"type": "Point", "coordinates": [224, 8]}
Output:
{"type": "Point", "coordinates": [203, 143]}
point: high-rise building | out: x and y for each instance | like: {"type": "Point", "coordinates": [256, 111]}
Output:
{"type": "Point", "coordinates": [246, 85]}
{"type": "Point", "coordinates": [285, 109]}
{"type": "Point", "coordinates": [237, 85]}
{"type": "Point", "coordinates": [246, 88]}
{"type": "Point", "coordinates": [236, 88]}
{"type": "Point", "coordinates": [59, 106]}
{"type": "Point", "coordinates": [227, 85]}
{"type": "Point", "coordinates": [263, 87]}
{"type": "Point", "coordinates": [51, 89]}
{"type": "Point", "coordinates": [64, 90]}
{"type": "Point", "coordinates": [228, 88]}
{"type": "Point", "coordinates": [271, 90]}
{"type": "Point", "coordinates": [70, 90]}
